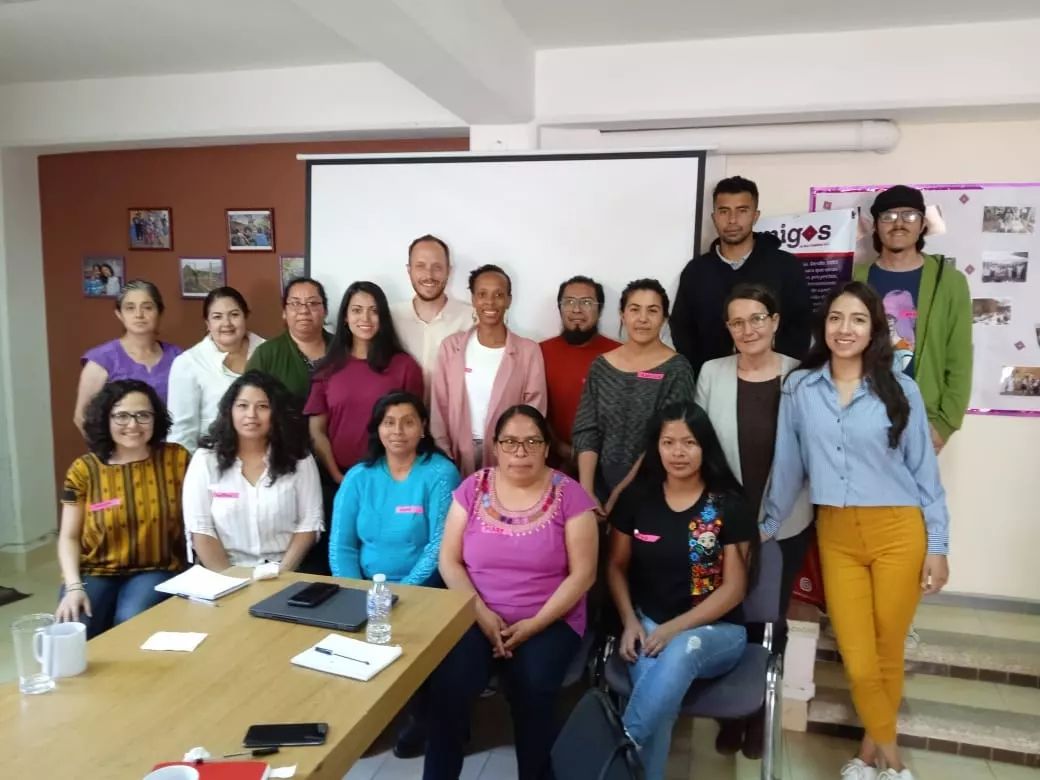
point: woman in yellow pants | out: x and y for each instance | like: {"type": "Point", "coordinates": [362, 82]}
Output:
{"type": "Point", "coordinates": [860, 433]}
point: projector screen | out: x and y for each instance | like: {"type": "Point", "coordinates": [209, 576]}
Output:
{"type": "Point", "coordinates": [541, 217]}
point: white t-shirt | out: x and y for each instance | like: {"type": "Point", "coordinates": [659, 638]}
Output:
{"type": "Point", "coordinates": [481, 369]}
{"type": "Point", "coordinates": [422, 340]}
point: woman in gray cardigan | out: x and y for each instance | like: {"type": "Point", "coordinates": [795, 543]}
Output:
{"type": "Point", "coordinates": [741, 394]}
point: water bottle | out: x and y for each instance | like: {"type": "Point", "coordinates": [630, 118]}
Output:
{"type": "Point", "coordinates": [377, 629]}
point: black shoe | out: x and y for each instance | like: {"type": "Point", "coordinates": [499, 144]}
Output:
{"type": "Point", "coordinates": [753, 737]}
{"type": "Point", "coordinates": [411, 740]}
{"type": "Point", "coordinates": [730, 737]}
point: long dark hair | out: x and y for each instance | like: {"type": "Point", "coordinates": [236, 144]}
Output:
{"type": "Point", "coordinates": [877, 357]}
{"type": "Point", "coordinates": [96, 424]}
{"type": "Point", "coordinates": [426, 447]}
{"type": "Point", "coordinates": [715, 471]}
{"type": "Point", "coordinates": [288, 440]}
{"type": "Point", "coordinates": [384, 345]}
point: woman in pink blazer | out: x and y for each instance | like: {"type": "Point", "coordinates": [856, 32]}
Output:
{"type": "Point", "coordinates": [482, 372]}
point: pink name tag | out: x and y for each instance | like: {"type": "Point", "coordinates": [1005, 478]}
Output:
{"type": "Point", "coordinates": [225, 494]}
{"type": "Point", "coordinates": [646, 537]}
{"type": "Point", "coordinates": [650, 375]}
{"type": "Point", "coordinates": [101, 505]}
{"type": "Point", "coordinates": [468, 370]}
{"type": "Point", "coordinates": [409, 510]}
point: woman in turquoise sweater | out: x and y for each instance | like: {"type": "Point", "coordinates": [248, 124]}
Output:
{"type": "Point", "coordinates": [388, 516]}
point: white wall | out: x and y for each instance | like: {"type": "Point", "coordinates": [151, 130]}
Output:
{"type": "Point", "coordinates": [991, 467]}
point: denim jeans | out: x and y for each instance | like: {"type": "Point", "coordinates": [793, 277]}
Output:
{"type": "Point", "coordinates": [115, 599]}
{"type": "Point", "coordinates": [659, 684]}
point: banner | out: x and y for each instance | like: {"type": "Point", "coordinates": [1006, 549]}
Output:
{"type": "Point", "coordinates": [825, 242]}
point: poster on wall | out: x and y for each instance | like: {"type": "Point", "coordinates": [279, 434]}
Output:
{"type": "Point", "coordinates": [991, 236]}
{"type": "Point", "coordinates": [824, 242]}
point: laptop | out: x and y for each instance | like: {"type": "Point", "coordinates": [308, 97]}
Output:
{"type": "Point", "coordinates": [347, 610]}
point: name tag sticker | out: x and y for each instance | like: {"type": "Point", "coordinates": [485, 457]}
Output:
{"type": "Point", "coordinates": [645, 537]}
{"type": "Point", "coordinates": [468, 370]}
{"type": "Point", "coordinates": [650, 375]}
{"type": "Point", "coordinates": [225, 493]}
{"type": "Point", "coordinates": [409, 510]}
{"type": "Point", "coordinates": [102, 505]}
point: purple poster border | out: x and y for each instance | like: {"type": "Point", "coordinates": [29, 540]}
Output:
{"type": "Point", "coordinates": [815, 191]}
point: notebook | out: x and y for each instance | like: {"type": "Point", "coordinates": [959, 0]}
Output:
{"type": "Point", "coordinates": [201, 583]}
{"type": "Point", "coordinates": [351, 658]}
{"type": "Point", "coordinates": [345, 611]}
{"type": "Point", "coordinates": [225, 770]}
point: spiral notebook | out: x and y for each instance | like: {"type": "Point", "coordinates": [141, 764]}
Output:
{"type": "Point", "coordinates": [348, 657]}
{"type": "Point", "coordinates": [201, 583]}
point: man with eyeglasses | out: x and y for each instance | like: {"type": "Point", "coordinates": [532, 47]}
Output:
{"type": "Point", "coordinates": [292, 356]}
{"type": "Point", "coordinates": [567, 359]}
{"type": "Point", "coordinates": [423, 322]}
{"type": "Point", "coordinates": [928, 307]}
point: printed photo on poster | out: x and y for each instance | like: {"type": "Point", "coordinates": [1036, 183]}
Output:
{"type": "Point", "coordinates": [151, 228]}
{"type": "Point", "coordinates": [999, 267]}
{"type": "Point", "coordinates": [291, 267]}
{"type": "Point", "coordinates": [1008, 219]}
{"type": "Point", "coordinates": [990, 311]}
{"type": "Point", "coordinates": [200, 275]}
{"type": "Point", "coordinates": [103, 277]}
{"type": "Point", "coordinates": [250, 230]}
{"type": "Point", "coordinates": [1020, 380]}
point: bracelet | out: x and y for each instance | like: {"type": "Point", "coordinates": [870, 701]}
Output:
{"type": "Point", "coordinates": [74, 587]}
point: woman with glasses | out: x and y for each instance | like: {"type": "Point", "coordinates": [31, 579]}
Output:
{"type": "Point", "coordinates": [121, 528]}
{"type": "Point", "coordinates": [200, 377]}
{"type": "Point", "coordinates": [481, 372]}
{"type": "Point", "coordinates": [741, 394]}
{"type": "Point", "coordinates": [521, 538]}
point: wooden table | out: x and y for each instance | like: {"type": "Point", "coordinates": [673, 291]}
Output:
{"type": "Point", "coordinates": [134, 708]}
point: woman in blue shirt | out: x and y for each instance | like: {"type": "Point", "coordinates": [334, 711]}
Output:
{"type": "Point", "coordinates": [860, 433]}
{"type": "Point", "coordinates": [388, 516]}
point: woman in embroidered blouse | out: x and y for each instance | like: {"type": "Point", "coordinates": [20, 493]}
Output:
{"type": "Point", "coordinates": [521, 537]}
{"type": "Point", "coordinates": [680, 545]}
{"type": "Point", "coordinates": [389, 512]}
{"type": "Point", "coordinates": [137, 354]}
{"type": "Point", "coordinates": [121, 528]}
{"type": "Point", "coordinates": [252, 492]}
{"type": "Point", "coordinates": [200, 377]}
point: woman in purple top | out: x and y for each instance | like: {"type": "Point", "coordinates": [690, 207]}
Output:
{"type": "Point", "coordinates": [138, 354]}
{"type": "Point", "coordinates": [522, 538]}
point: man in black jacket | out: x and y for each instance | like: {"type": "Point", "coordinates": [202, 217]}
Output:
{"type": "Point", "coordinates": [739, 255]}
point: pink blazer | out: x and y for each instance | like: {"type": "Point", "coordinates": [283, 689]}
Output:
{"type": "Point", "coordinates": [520, 380]}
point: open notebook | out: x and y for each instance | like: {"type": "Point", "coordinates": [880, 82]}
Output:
{"type": "Point", "coordinates": [201, 583]}
{"type": "Point", "coordinates": [348, 657]}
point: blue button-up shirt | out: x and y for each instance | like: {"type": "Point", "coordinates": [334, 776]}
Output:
{"type": "Point", "coordinates": [844, 453]}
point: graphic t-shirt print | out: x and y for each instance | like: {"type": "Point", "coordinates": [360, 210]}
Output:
{"type": "Point", "coordinates": [705, 550]}
{"type": "Point", "coordinates": [901, 313]}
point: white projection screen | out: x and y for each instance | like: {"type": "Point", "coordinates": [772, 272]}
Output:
{"type": "Point", "coordinates": [541, 217]}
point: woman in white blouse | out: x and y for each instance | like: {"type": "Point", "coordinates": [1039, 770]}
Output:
{"type": "Point", "coordinates": [252, 492]}
{"type": "Point", "coordinates": [200, 376]}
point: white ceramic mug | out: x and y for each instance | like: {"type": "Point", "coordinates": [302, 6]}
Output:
{"type": "Point", "coordinates": [62, 649]}
{"type": "Point", "coordinates": [178, 772]}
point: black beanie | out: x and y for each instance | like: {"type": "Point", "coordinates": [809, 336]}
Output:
{"type": "Point", "coordinates": [896, 197]}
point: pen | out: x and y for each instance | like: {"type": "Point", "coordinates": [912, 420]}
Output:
{"type": "Point", "coordinates": [197, 600]}
{"type": "Point", "coordinates": [264, 751]}
{"type": "Point", "coordinates": [326, 651]}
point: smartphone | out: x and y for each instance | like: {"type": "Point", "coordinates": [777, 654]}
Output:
{"type": "Point", "coordinates": [269, 734]}
{"type": "Point", "coordinates": [314, 594]}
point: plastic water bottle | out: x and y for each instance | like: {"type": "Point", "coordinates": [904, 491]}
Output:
{"type": "Point", "coordinates": [377, 629]}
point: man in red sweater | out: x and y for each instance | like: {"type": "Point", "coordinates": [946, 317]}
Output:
{"type": "Point", "coordinates": [568, 357]}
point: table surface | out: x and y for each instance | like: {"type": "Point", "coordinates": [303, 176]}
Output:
{"type": "Point", "coordinates": [134, 708]}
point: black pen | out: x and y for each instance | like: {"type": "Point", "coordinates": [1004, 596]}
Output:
{"type": "Point", "coordinates": [326, 651]}
{"type": "Point", "coordinates": [256, 753]}
{"type": "Point", "coordinates": [197, 600]}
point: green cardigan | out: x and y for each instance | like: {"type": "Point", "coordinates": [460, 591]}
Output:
{"type": "Point", "coordinates": [943, 353]}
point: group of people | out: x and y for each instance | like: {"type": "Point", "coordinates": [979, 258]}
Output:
{"type": "Point", "coordinates": [441, 448]}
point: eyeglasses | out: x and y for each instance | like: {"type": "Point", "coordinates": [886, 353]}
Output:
{"type": "Point", "coordinates": [588, 304]}
{"type": "Point", "coordinates": [510, 446]}
{"type": "Point", "coordinates": [122, 419]}
{"type": "Point", "coordinates": [756, 321]}
{"type": "Point", "coordinates": [909, 217]}
{"type": "Point", "coordinates": [297, 305]}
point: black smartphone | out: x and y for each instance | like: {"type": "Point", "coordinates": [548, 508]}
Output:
{"type": "Point", "coordinates": [314, 594]}
{"type": "Point", "coordinates": [267, 734]}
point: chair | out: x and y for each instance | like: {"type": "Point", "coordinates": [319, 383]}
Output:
{"type": "Point", "coordinates": [583, 660]}
{"type": "Point", "coordinates": [755, 680]}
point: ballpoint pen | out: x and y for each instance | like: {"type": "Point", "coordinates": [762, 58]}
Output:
{"type": "Point", "coordinates": [326, 651]}
{"type": "Point", "coordinates": [197, 600]}
{"type": "Point", "coordinates": [255, 753]}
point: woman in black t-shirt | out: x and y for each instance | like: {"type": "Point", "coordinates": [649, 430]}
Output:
{"type": "Point", "coordinates": [679, 553]}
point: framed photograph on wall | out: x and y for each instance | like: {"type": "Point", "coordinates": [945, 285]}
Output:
{"type": "Point", "coordinates": [250, 230]}
{"type": "Point", "coordinates": [200, 275]}
{"type": "Point", "coordinates": [150, 228]}
{"type": "Point", "coordinates": [103, 276]}
{"type": "Point", "coordinates": [290, 267]}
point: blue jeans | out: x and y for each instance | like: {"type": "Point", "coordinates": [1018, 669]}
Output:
{"type": "Point", "coordinates": [115, 599]}
{"type": "Point", "coordinates": [659, 684]}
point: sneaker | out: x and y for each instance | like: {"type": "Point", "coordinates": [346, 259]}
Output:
{"type": "Point", "coordinates": [913, 639]}
{"type": "Point", "coordinates": [857, 769]}
{"type": "Point", "coordinates": [891, 774]}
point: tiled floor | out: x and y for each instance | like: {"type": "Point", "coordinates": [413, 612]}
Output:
{"type": "Point", "coordinates": [806, 756]}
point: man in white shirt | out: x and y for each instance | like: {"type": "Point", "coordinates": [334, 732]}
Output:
{"type": "Point", "coordinates": [430, 316]}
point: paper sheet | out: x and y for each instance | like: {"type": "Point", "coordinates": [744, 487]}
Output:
{"type": "Point", "coordinates": [180, 641]}
{"type": "Point", "coordinates": [283, 771]}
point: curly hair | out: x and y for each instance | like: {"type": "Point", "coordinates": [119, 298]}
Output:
{"type": "Point", "coordinates": [97, 425]}
{"type": "Point", "coordinates": [426, 447]}
{"type": "Point", "coordinates": [288, 439]}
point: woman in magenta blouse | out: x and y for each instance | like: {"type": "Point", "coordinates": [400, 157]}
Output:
{"type": "Point", "coordinates": [522, 538]}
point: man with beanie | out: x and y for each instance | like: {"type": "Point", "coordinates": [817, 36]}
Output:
{"type": "Point", "coordinates": [737, 256]}
{"type": "Point", "coordinates": [928, 307]}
